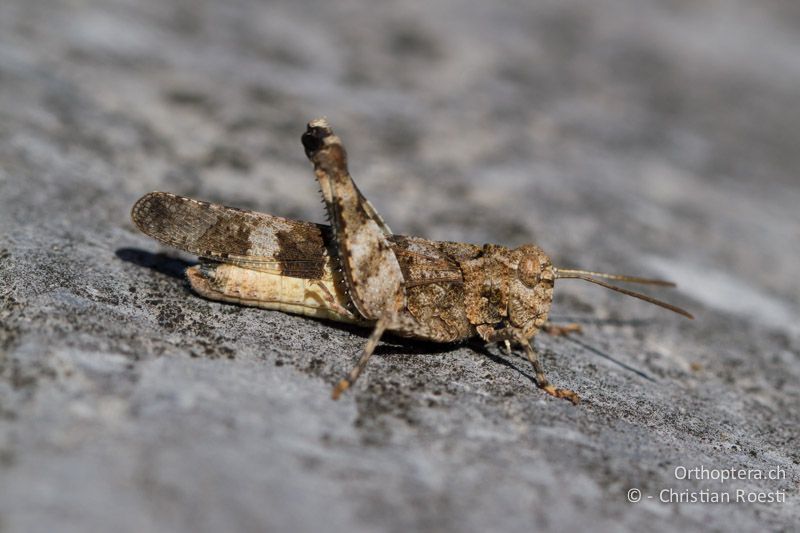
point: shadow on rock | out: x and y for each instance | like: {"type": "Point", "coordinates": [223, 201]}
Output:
{"type": "Point", "coordinates": [483, 349]}
{"type": "Point", "coordinates": [162, 263]}
{"type": "Point", "coordinates": [611, 358]}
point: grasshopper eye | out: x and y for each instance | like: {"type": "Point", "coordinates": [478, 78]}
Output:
{"type": "Point", "coordinates": [312, 140]}
{"type": "Point", "coordinates": [529, 270]}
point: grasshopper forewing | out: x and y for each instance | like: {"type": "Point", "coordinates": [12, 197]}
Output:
{"type": "Point", "coordinates": [250, 258]}
{"type": "Point", "coordinates": [357, 271]}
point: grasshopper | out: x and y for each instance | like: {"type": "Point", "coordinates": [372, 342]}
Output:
{"type": "Point", "coordinates": [357, 271]}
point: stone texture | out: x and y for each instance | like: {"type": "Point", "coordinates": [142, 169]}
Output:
{"type": "Point", "coordinates": [655, 138]}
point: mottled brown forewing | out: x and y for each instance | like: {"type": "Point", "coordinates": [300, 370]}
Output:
{"type": "Point", "coordinates": [275, 244]}
{"type": "Point", "coordinates": [252, 240]}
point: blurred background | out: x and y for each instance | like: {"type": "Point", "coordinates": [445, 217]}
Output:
{"type": "Point", "coordinates": [652, 138]}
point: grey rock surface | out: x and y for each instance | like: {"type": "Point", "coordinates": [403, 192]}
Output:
{"type": "Point", "coordinates": [654, 138]}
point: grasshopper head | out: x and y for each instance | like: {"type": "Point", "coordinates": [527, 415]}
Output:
{"type": "Point", "coordinates": [530, 289]}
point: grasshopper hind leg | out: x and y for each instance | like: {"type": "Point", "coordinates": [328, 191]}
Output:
{"type": "Point", "coordinates": [369, 348]}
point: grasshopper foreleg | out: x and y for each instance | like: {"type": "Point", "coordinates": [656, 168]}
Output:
{"type": "Point", "coordinates": [542, 380]}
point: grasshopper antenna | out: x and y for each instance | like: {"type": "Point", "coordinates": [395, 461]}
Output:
{"type": "Point", "coordinates": [569, 273]}
{"type": "Point", "coordinates": [591, 277]}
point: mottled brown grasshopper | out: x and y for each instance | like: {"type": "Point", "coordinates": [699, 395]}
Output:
{"type": "Point", "coordinates": [357, 271]}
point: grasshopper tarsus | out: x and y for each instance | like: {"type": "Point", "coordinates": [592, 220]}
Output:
{"type": "Point", "coordinates": [339, 388]}
{"type": "Point", "coordinates": [566, 394]}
